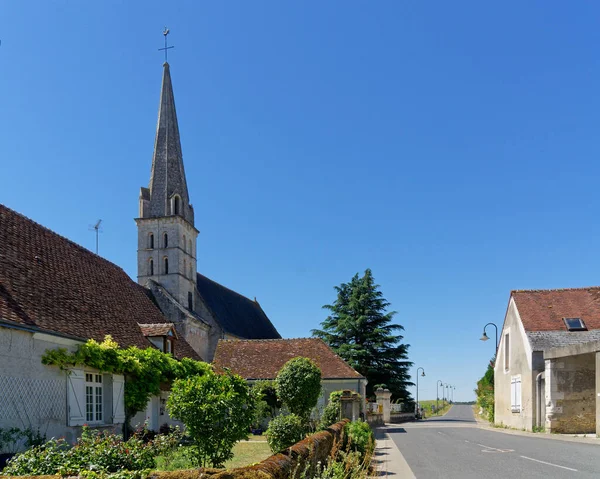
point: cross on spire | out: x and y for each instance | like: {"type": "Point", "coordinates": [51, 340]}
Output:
{"type": "Point", "coordinates": [166, 48]}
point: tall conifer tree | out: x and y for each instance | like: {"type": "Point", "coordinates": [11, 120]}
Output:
{"type": "Point", "coordinates": [360, 330]}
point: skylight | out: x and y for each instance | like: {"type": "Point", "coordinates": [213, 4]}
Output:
{"type": "Point", "coordinates": [575, 324]}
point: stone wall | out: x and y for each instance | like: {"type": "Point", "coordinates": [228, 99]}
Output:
{"type": "Point", "coordinates": [571, 394]}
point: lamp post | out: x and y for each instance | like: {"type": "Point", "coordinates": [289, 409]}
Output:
{"type": "Point", "coordinates": [437, 394]}
{"type": "Point", "coordinates": [485, 336]}
{"type": "Point", "coordinates": [417, 406]}
{"type": "Point", "coordinates": [448, 392]}
{"type": "Point", "coordinates": [453, 389]}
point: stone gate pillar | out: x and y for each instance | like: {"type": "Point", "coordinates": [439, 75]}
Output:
{"type": "Point", "coordinates": [383, 398]}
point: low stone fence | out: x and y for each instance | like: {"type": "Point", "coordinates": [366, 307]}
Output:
{"type": "Point", "coordinates": [288, 464]}
{"type": "Point", "coordinates": [375, 420]}
{"type": "Point", "coordinates": [399, 417]}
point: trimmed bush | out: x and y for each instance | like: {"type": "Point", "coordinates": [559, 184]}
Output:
{"type": "Point", "coordinates": [285, 431]}
{"type": "Point", "coordinates": [298, 386]}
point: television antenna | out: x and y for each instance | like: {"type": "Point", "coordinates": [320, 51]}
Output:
{"type": "Point", "coordinates": [97, 229]}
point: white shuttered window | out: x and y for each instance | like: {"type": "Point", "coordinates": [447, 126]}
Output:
{"type": "Point", "coordinates": [515, 393]}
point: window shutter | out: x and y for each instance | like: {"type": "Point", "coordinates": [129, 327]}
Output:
{"type": "Point", "coordinates": [118, 399]}
{"type": "Point", "coordinates": [76, 397]}
{"type": "Point", "coordinates": [515, 394]}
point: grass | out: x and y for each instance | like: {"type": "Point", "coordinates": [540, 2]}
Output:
{"type": "Point", "coordinates": [426, 405]}
{"type": "Point", "coordinates": [245, 453]}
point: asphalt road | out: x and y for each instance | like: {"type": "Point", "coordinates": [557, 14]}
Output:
{"type": "Point", "coordinates": [453, 446]}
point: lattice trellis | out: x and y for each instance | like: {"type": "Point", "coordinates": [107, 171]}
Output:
{"type": "Point", "coordinates": [32, 400]}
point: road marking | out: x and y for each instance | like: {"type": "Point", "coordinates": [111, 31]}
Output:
{"type": "Point", "coordinates": [440, 432]}
{"type": "Point", "coordinates": [550, 464]}
{"type": "Point", "coordinates": [493, 449]}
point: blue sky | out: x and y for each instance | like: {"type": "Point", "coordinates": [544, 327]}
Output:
{"type": "Point", "coordinates": [451, 147]}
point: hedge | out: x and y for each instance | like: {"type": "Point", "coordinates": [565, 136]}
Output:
{"type": "Point", "coordinates": [285, 465]}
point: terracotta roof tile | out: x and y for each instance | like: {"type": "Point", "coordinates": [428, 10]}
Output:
{"type": "Point", "coordinates": [544, 310]}
{"type": "Point", "coordinates": [157, 329]}
{"type": "Point", "coordinates": [263, 358]}
{"type": "Point", "coordinates": [50, 283]}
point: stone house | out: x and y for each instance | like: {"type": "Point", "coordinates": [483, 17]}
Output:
{"type": "Point", "coordinates": [257, 360]}
{"type": "Point", "coordinates": [54, 293]}
{"type": "Point", "coordinates": [545, 370]}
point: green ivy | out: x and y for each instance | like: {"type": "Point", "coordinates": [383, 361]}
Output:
{"type": "Point", "coordinates": [144, 369]}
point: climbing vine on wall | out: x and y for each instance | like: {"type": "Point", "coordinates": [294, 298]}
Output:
{"type": "Point", "coordinates": [144, 369]}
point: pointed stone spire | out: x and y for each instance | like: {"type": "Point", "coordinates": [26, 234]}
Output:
{"type": "Point", "coordinates": [168, 187]}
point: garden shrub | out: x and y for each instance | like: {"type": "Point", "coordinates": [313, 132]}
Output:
{"type": "Point", "coordinates": [360, 437]}
{"type": "Point", "coordinates": [96, 452]}
{"type": "Point", "coordinates": [217, 410]}
{"type": "Point", "coordinates": [298, 385]}
{"type": "Point", "coordinates": [285, 431]}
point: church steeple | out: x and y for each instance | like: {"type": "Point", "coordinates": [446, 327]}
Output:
{"type": "Point", "coordinates": [166, 232]}
{"type": "Point", "coordinates": [167, 193]}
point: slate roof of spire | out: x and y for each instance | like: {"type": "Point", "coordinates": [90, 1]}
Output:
{"type": "Point", "coordinates": [262, 359]}
{"type": "Point", "coordinates": [237, 315]}
{"type": "Point", "coordinates": [51, 284]}
{"type": "Point", "coordinates": [168, 175]}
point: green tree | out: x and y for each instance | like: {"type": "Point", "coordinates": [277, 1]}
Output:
{"type": "Point", "coordinates": [266, 391]}
{"type": "Point", "coordinates": [217, 410]}
{"type": "Point", "coordinates": [298, 385]}
{"type": "Point", "coordinates": [360, 330]}
{"type": "Point", "coordinates": [485, 391]}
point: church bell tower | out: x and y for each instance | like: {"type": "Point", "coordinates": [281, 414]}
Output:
{"type": "Point", "coordinates": [166, 232]}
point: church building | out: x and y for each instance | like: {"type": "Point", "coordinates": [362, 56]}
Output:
{"type": "Point", "coordinates": [202, 310]}
{"type": "Point", "coordinates": [55, 293]}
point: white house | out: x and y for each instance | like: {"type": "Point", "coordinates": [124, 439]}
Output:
{"type": "Point", "coordinates": [545, 373]}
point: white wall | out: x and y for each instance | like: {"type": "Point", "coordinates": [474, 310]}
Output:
{"type": "Point", "coordinates": [519, 363]}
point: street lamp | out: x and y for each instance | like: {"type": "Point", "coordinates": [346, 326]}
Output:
{"type": "Point", "coordinates": [423, 374]}
{"type": "Point", "coordinates": [453, 389]}
{"type": "Point", "coordinates": [485, 336]}
{"type": "Point", "coordinates": [448, 392]}
{"type": "Point", "coordinates": [437, 394]}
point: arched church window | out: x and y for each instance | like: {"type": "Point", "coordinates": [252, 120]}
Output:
{"type": "Point", "coordinates": [184, 245]}
{"type": "Point", "coordinates": [166, 265]}
{"type": "Point", "coordinates": [176, 202]}
{"type": "Point", "coordinates": [190, 247]}
{"type": "Point", "coordinates": [165, 240]}
{"type": "Point", "coordinates": [191, 276]}
{"type": "Point", "coordinates": [151, 241]}
{"type": "Point", "coordinates": [190, 301]}
{"type": "Point", "coordinates": [151, 267]}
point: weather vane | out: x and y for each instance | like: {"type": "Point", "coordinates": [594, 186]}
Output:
{"type": "Point", "coordinates": [165, 33]}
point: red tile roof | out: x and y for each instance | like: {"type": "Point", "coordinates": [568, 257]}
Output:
{"type": "Point", "coordinates": [49, 283]}
{"type": "Point", "coordinates": [263, 358]}
{"type": "Point", "coordinates": [158, 329]}
{"type": "Point", "coordinates": [544, 310]}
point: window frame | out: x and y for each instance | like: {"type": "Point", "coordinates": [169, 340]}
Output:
{"type": "Point", "coordinates": [94, 397]}
{"type": "Point", "coordinates": [506, 351]}
{"type": "Point", "coordinates": [581, 327]}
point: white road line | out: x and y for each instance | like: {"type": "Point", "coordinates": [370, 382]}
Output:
{"type": "Point", "coordinates": [492, 448]}
{"type": "Point", "coordinates": [550, 464]}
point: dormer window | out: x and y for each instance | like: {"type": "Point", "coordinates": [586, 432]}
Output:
{"type": "Point", "coordinates": [575, 324]}
{"type": "Point", "coordinates": [161, 335]}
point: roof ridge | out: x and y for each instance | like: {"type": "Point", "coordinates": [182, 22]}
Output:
{"type": "Point", "coordinates": [48, 230]}
{"type": "Point", "coordinates": [270, 339]}
{"type": "Point", "coordinates": [581, 288]}
{"type": "Point", "coordinates": [228, 289]}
